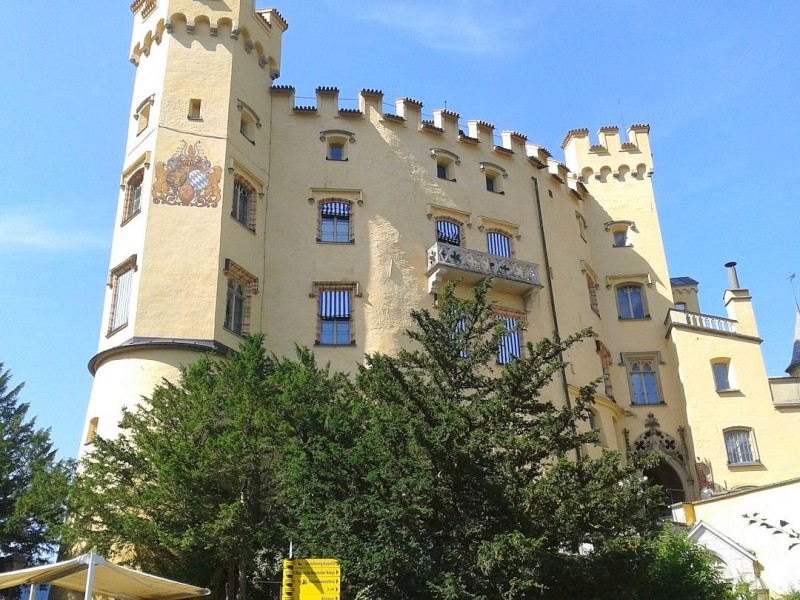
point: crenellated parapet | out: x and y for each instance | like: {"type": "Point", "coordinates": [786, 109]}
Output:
{"type": "Point", "coordinates": [444, 130]}
{"type": "Point", "coordinates": [610, 157]}
{"type": "Point", "coordinates": [255, 30]}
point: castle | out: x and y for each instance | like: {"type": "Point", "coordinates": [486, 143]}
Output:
{"type": "Point", "coordinates": [241, 211]}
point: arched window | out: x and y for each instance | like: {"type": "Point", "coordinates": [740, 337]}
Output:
{"type": "Point", "coordinates": [740, 446]}
{"type": "Point", "coordinates": [644, 382]}
{"type": "Point", "coordinates": [630, 302]}
{"type": "Point", "coordinates": [448, 232]}
{"type": "Point", "coordinates": [499, 244]}
{"type": "Point", "coordinates": [243, 209]}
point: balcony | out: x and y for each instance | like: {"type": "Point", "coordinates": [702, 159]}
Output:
{"type": "Point", "coordinates": [701, 321]}
{"type": "Point", "coordinates": [446, 262]}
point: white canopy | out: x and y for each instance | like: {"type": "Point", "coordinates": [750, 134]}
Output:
{"type": "Point", "coordinates": [93, 574]}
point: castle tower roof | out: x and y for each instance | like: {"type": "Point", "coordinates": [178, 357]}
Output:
{"type": "Point", "coordinates": [794, 367]}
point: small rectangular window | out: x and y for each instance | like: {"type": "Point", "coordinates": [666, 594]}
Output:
{"type": "Point", "coordinates": [721, 376]}
{"type": "Point", "coordinates": [121, 283]}
{"type": "Point", "coordinates": [441, 171]}
{"type": "Point", "coordinates": [336, 151]}
{"type": "Point", "coordinates": [334, 223]}
{"type": "Point", "coordinates": [194, 108]}
{"type": "Point", "coordinates": [510, 344]}
{"type": "Point", "coordinates": [740, 446]}
{"type": "Point", "coordinates": [334, 317]}
{"type": "Point", "coordinates": [490, 183]}
{"type": "Point", "coordinates": [239, 291]}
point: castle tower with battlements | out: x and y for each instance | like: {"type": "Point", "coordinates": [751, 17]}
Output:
{"type": "Point", "coordinates": [241, 211]}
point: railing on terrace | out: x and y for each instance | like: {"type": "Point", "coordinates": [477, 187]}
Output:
{"type": "Point", "coordinates": [483, 263]}
{"type": "Point", "coordinates": [701, 321]}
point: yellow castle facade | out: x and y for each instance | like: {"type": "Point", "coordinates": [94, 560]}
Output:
{"type": "Point", "coordinates": [240, 211]}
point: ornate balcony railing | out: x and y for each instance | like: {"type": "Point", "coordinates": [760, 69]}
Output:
{"type": "Point", "coordinates": [510, 273]}
{"type": "Point", "coordinates": [701, 321]}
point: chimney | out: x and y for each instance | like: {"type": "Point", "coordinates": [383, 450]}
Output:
{"type": "Point", "coordinates": [733, 278]}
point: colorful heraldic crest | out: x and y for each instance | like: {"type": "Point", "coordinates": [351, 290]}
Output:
{"type": "Point", "coordinates": [187, 179]}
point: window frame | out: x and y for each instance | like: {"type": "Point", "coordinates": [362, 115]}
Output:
{"type": "Point", "coordinates": [752, 447]}
{"type": "Point", "coordinates": [132, 205]}
{"type": "Point", "coordinates": [249, 121]}
{"type": "Point", "coordinates": [723, 368]}
{"type": "Point", "coordinates": [336, 220]}
{"type": "Point", "coordinates": [653, 360]}
{"type": "Point", "coordinates": [441, 237]}
{"type": "Point", "coordinates": [236, 275]}
{"type": "Point", "coordinates": [582, 226]}
{"type": "Point", "coordinates": [249, 213]}
{"type": "Point", "coordinates": [496, 174]}
{"type": "Point", "coordinates": [606, 362]}
{"type": "Point", "coordinates": [340, 140]}
{"type": "Point", "coordinates": [631, 285]}
{"type": "Point", "coordinates": [319, 288]}
{"type": "Point", "coordinates": [445, 162]}
{"type": "Point", "coordinates": [142, 114]}
{"type": "Point", "coordinates": [514, 336]}
{"type": "Point", "coordinates": [509, 242]}
{"type": "Point", "coordinates": [121, 294]}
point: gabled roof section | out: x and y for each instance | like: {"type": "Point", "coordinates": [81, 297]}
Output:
{"type": "Point", "coordinates": [701, 527]}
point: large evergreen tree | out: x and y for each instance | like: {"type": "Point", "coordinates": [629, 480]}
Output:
{"type": "Point", "coordinates": [33, 484]}
{"type": "Point", "coordinates": [188, 488]}
{"type": "Point", "coordinates": [455, 479]}
{"type": "Point", "coordinates": [431, 474]}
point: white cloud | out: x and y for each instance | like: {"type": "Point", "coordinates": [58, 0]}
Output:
{"type": "Point", "coordinates": [37, 232]}
{"type": "Point", "coordinates": [468, 27]}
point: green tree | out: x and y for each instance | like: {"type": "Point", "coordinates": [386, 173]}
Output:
{"type": "Point", "coordinates": [444, 477]}
{"type": "Point", "coordinates": [33, 484]}
{"type": "Point", "coordinates": [188, 488]}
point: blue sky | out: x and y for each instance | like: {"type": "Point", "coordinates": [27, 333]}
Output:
{"type": "Point", "coordinates": [718, 83]}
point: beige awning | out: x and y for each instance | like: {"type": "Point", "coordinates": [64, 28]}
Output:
{"type": "Point", "coordinates": [104, 578]}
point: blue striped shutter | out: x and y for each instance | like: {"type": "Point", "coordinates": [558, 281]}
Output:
{"type": "Point", "coordinates": [499, 244]}
{"type": "Point", "coordinates": [510, 346]}
{"type": "Point", "coordinates": [448, 232]}
{"type": "Point", "coordinates": [461, 327]}
{"type": "Point", "coordinates": [334, 304]}
{"type": "Point", "coordinates": [335, 209]}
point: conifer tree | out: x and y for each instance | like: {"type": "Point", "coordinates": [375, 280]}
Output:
{"type": "Point", "coordinates": [33, 484]}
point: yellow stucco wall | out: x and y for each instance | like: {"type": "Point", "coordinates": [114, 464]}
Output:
{"type": "Point", "coordinates": [225, 55]}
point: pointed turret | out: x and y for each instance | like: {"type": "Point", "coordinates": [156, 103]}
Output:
{"type": "Point", "coordinates": [794, 367]}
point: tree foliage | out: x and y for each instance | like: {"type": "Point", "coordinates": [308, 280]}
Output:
{"type": "Point", "coordinates": [33, 484]}
{"type": "Point", "coordinates": [430, 474]}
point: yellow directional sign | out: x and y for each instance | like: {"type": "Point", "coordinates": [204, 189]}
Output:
{"type": "Point", "coordinates": [311, 579]}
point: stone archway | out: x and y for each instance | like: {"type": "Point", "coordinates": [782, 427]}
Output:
{"type": "Point", "coordinates": [669, 480]}
{"type": "Point", "coordinates": [672, 472]}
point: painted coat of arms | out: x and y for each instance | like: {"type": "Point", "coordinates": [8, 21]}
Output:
{"type": "Point", "coordinates": [187, 179]}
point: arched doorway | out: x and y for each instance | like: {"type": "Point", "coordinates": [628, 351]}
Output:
{"type": "Point", "coordinates": [669, 480]}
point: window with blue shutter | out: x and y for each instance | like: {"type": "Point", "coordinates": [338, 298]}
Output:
{"type": "Point", "coordinates": [510, 343]}
{"type": "Point", "coordinates": [335, 222]}
{"type": "Point", "coordinates": [499, 244]}
{"type": "Point", "coordinates": [334, 317]}
{"type": "Point", "coordinates": [448, 232]}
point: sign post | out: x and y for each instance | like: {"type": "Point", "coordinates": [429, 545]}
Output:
{"type": "Point", "coordinates": [311, 579]}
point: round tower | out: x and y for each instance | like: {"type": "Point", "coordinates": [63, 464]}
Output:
{"type": "Point", "coordinates": [191, 194]}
